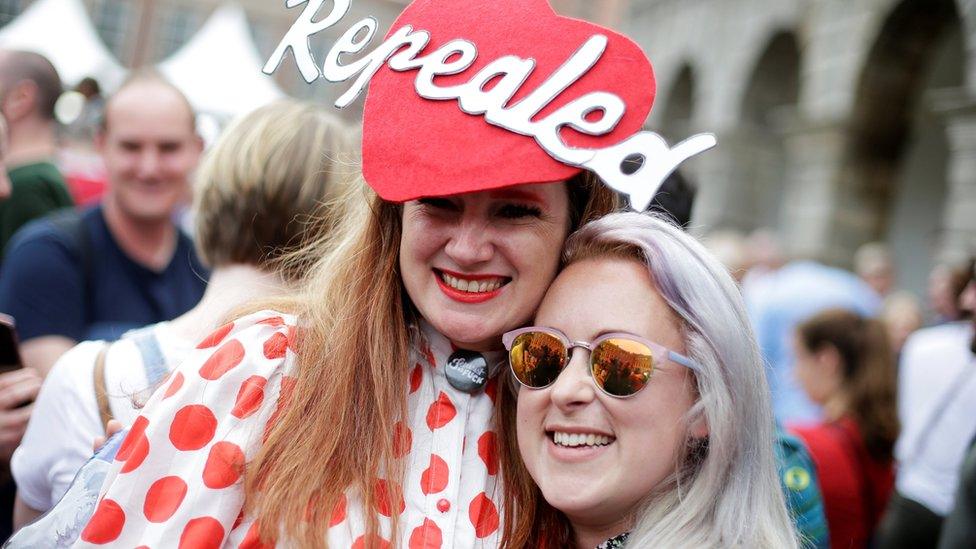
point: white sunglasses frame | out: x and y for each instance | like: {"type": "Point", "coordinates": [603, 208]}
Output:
{"type": "Point", "coordinates": [658, 351]}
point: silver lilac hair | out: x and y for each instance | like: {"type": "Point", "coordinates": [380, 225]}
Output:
{"type": "Point", "coordinates": [726, 490]}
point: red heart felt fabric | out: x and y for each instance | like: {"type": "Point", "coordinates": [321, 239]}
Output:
{"type": "Point", "coordinates": [415, 147]}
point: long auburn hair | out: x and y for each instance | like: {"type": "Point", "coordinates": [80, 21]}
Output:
{"type": "Point", "coordinates": [336, 431]}
{"type": "Point", "coordinates": [868, 371]}
{"type": "Point", "coordinates": [725, 491]}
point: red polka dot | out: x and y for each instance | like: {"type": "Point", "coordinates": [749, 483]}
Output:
{"type": "Point", "coordinates": [252, 540]}
{"type": "Point", "coordinates": [135, 447]}
{"type": "Point", "coordinates": [202, 533]}
{"type": "Point", "coordinates": [143, 547]}
{"type": "Point", "coordinates": [225, 464]}
{"type": "Point", "coordinates": [164, 498]}
{"type": "Point", "coordinates": [238, 521]}
{"type": "Point", "coordinates": [137, 430]}
{"type": "Point", "coordinates": [488, 451]}
{"type": "Point", "coordinates": [384, 499]}
{"type": "Point", "coordinates": [492, 389]}
{"type": "Point", "coordinates": [275, 346]}
{"type": "Point", "coordinates": [273, 321]}
{"type": "Point", "coordinates": [174, 385]}
{"type": "Point", "coordinates": [249, 397]}
{"type": "Point", "coordinates": [426, 536]}
{"type": "Point", "coordinates": [370, 542]}
{"type": "Point", "coordinates": [105, 524]}
{"type": "Point", "coordinates": [441, 412]}
{"type": "Point", "coordinates": [193, 427]}
{"type": "Point", "coordinates": [428, 355]}
{"type": "Point", "coordinates": [216, 337]}
{"type": "Point", "coordinates": [434, 478]}
{"type": "Point", "coordinates": [294, 336]}
{"type": "Point", "coordinates": [416, 376]}
{"type": "Point", "coordinates": [483, 515]}
{"type": "Point", "coordinates": [284, 397]}
{"type": "Point", "coordinates": [402, 439]}
{"type": "Point", "coordinates": [338, 512]}
{"type": "Point", "coordinates": [140, 450]}
{"type": "Point", "coordinates": [228, 356]}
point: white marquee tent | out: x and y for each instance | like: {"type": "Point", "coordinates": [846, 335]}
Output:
{"type": "Point", "coordinates": [62, 31]}
{"type": "Point", "coordinates": [219, 69]}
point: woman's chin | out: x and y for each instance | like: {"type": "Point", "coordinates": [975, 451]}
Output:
{"type": "Point", "coordinates": [470, 332]}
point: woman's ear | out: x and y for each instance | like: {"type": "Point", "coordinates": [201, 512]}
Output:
{"type": "Point", "coordinates": [699, 427]}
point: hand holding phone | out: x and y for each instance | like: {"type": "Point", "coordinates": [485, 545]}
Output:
{"type": "Point", "coordinates": [18, 389]}
{"type": "Point", "coordinates": [9, 347]}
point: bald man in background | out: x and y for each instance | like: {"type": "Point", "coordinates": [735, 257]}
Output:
{"type": "Point", "coordinates": [29, 88]}
{"type": "Point", "coordinates": [122, 264]}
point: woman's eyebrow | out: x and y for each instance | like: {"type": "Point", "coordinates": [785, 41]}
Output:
{"type": "Point", "coordinates": [517, 194]}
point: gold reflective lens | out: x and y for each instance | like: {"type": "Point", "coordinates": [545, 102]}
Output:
{"type": "Point", "coordinates": [622, 366]}
{"type": "Point", "coordinates": [537, 358]}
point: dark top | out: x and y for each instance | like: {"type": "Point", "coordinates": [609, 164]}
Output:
{"type": "Point", "coordinates": [36, 189]}
{"type": "Point", "coordinates": [50, 289]}
{"type": "Point", "coordinates": [959, 528]}
{"type": "Point", "coordinates": [855, 486]}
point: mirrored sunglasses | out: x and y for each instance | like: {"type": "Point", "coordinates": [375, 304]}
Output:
{"type": "Point", "coordinates": [621, 364]}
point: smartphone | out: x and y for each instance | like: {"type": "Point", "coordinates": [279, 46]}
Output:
{"type": "Point", "coordinates": [9, 348]}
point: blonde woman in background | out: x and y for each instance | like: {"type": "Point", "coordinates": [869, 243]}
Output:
{"type": "Point", "coordinates": [266, 178]}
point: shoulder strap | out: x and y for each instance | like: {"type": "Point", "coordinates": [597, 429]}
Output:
{"type": "Point", "coordinates": [101, 393]}
{"type": "Point", "coordinates": [71, 222]}
{"type": "Point", "coordinates": [153, 359]}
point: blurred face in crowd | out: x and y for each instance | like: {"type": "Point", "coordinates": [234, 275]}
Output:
{"type": "Point", "coordinates": [477, 264]}
{"type": "Point", "coordinates": [637, 441]}
{"type": "Point", "coordinates": [942, 298]}
{"type": "Point", "coordinates": [819, 372]}
{"type": "Point", "coordinates": [150, 148]}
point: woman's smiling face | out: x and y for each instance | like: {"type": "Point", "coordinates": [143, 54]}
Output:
{"type": "Point", "coordinates": [598, 485]}
{"type": "Point", "coordinates": [477, 264]}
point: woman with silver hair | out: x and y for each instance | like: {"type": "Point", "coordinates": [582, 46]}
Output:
{"type": "Point", "coordinates": [643, 414]}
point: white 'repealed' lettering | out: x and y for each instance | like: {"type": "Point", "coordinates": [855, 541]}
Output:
{"type": "Point", "coordinates": [401, 51]}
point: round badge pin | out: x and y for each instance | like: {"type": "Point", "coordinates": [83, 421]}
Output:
{"type": "Point", "coordinates": [467, 371]}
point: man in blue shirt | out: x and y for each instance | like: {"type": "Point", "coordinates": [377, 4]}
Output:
{"type": "Point", "coordinates": [122, 264]}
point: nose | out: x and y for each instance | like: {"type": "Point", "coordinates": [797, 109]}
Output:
{"type": "Point", "coordinates": [470, 242]}
{"type": "Point", "coordinates": [149, 162]}
{"type": "Point", "coordinates": [573, 388]}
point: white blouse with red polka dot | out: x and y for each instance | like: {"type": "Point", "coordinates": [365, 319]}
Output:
{"type": "Point", "coordinates": [177, 479]}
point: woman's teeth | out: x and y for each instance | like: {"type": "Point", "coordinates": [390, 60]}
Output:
{"type": "Point", "coordinates": [473, 286]}
{"type": "Point", "coordinates": [579, 439]}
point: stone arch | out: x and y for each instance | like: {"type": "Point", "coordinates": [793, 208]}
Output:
{"type": "Point", "coordinates": [679, 104]}
{"type": "Point", "coordinates": [893, 184]}
{"type": "Point", "coordinates": [767, 107]}
{"type": "Point", "coordinates": [774, 82]}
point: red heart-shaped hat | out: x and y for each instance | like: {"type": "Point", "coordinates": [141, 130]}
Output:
{"type": "Point", "coordinates": [415, 147]}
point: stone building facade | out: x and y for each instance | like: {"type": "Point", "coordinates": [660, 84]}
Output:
{"type": "Point", "coordinates": [839, 121]}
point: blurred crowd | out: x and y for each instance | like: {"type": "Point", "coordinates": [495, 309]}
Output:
{"type": "Point", "coordinates": [879, 386]}
{"type": "Point", "coordinates": [115, 276]}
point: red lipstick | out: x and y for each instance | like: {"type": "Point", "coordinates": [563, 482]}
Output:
{"type": "Point", "coordinates": [467, 297]}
